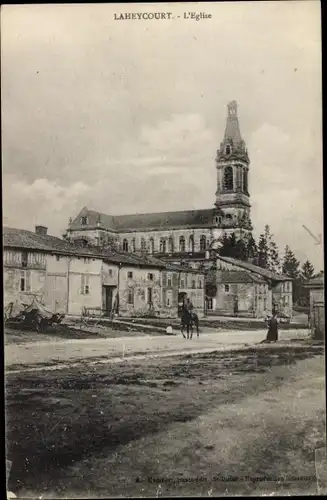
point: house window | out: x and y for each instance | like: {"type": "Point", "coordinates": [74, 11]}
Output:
{"type": "Point", "coordinates": [133, 245]}
{"type": "Point", "coordinates": [84, 221]}
{"type": "Point", "coordinates": [202, 243]}
{"type": "Point", "coordinates": [151, 245]}
{"type": "Point", "coordinates": [193, 283]}
{"type": "Point", "coordinates": [85, 288]}
{"type": "Point", "coordinates": [182, 244]}
{"type": "Point", "coordinates": [25, 281]}
{"type": "Point", "coordinates": [143, 244]}
{"type": "Point", "coordinates": [130, 297]}
{"type": "Point", "coordinates": [129, 274]}
{"type": "Point", "coordinates": [150, 276]}
{"type": "Point", "coordinates": [86, 260]}
{"type": "Point", "coordinates": [110, 272]}
{"type": "Point", "coordinates": [200, 284]}
{"type": "Point", "coordinates": [125, 245]}
{"type": "Point", "coordinates": [169, 283]}
{"type": "Point", "coordinates": [149, 295]}
{"type": "Point", "coordinates": [24, 259]}
{"type": "Point", "coordinates": [57, 258]}
{"type": "Point", "coordinates": [228, 178]}
{"type": "Point", "coordinates": [227, 288]}
{"type": "Point", "coordinates": [182, 284]}
{"type": "Point", "coordinates": [228, 150]}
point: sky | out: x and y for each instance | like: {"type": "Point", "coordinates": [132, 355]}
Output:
{"type": "Point", "coordinates": [125, 116]}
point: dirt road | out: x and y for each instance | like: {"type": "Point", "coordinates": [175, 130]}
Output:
{"type": "Point", "coordinates": [69, 350]}
{"type": "Point", "coordinates": [200, 424]}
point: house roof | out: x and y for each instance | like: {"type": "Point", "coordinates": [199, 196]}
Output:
{"type": "Point", "coordinates": [141, 222]}
{"type": "Point", "coordinates": [316, 282]}
{"type": "Point", "coordinates": [239, 277]}
{"type": "Point", "coordinates": [23, 239]}
{"type": "Point", "coordinates": [255, 269]}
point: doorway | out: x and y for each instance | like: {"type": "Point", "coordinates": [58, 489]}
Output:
{"type": "Point", "coordinates": [181, 301]}
{"type": "Point", "coordinates": [107, 299]}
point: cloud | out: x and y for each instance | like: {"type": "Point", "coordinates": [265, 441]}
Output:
{"type": "Point", "coordinates": [41, 202]}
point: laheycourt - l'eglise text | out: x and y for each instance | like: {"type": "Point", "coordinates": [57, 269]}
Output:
{"type": "Point", "coordinates": [197, 15]}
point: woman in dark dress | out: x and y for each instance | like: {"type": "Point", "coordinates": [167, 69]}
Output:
{"type": "Point", "coordinates": [272, 334]}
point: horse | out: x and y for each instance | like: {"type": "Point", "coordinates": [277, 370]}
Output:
{"type": "Point", "coordinates": [189, 320]}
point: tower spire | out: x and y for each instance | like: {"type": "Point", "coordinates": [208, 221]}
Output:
{"type": "Point", "coordinates": [232, 130]}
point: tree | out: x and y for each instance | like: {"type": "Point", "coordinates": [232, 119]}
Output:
{"type": "Point", "coordinates": [240, 250]}
{"type": "Point", "coordinates": [273, 262]}
{"type": "Point", "coordinates": [251, 249]}
{"type": "Point", "coordinates": [263, 251]}
{"type": "Point", "coordinates": [226, 249]}
{"type": "Point", "coordinates": [290, 264]}
{"type": "Point", "coordinates": [307, 270]}
{"type": "Point", "coordinates": [211, 282]}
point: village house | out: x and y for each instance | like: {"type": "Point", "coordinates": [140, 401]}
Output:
{"type": "Point", "coordinates": [257, 291]}
{"type": "Point", "coordinates": [68, 278]}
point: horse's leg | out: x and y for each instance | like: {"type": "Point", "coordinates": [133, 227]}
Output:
{"type": "Point", "coordinates": [191, 330]}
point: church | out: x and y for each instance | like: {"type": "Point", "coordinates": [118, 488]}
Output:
{"type": "Point", "coordinates": [180, 234]}
{"type": "Point", "coordinates": [191, 238]}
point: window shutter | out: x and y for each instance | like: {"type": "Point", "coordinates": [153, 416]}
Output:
{"type": "Point", "coordinates": [28, 281]}
{"type": "Point", "coordinates": [82, 283]}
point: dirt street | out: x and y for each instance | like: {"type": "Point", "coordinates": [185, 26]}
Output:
{"type": "Point", "coordinates": [50, 352]}
{"type": "Point", "coordinates": [243, 422]}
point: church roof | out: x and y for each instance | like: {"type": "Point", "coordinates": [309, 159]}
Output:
{"type": "Point", "coordinates": [147, 221]}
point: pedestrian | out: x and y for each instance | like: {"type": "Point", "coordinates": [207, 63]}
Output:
{"type": "Point", "coordinates": [272, 334]}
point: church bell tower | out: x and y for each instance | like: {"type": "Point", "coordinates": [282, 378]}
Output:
{"type": "Point", "coordinates": [232, 195]}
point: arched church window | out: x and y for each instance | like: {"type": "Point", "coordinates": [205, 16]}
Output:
{"type": "Point", "coordinates": [202, 243]}
{"type": "Point", "coordinates": [245, 181]}
{"type": "Point", "coordinates": [170, 245]}
{"type": "Point", "coordinates": [125, 245]}
{"type": "Point", "coordinates": [182, 244]}
{"type": "Point", "coordinates": [191, 243]}
{"type": "Point", "coordinates": [143, 245]}
{"type": "Point", "coordinates": [228, 149]}
{"type": "Point", "coordinates": [228, 178]}
{"type": "Point", "coordinates": [162, 245]}
{"type": "Point", "coordinates": [151, 245]}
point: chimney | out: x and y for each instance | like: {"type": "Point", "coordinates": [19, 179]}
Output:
{"type": "Point", "coordinates": [41, 230]}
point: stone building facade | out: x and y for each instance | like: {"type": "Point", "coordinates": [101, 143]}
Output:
{"type": "Point", "coordinates": [257, 290]}
{"type": "Point", "coordinates": [181, 233]}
